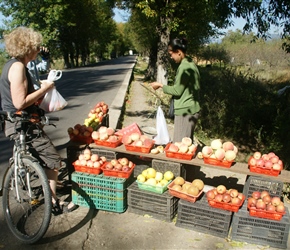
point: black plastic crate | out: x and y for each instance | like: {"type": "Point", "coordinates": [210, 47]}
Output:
{"type": "Point", "coordinates": [159, 206]}
{"type": "Point", "coordinates": [162, 166]}
{"type": "Point", "coordinates": [199, 216]}
{"type": "Point", "coordinates": [260, 231]}
{"type": "Point", "coordinates": [258, 183]}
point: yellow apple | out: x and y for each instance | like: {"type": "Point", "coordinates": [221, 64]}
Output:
{"type": "Point", "coordinates": [164, 182]}
{"type": "Point", "coordinates": [151, 181]}
{"type": "Point", "coordinates": [158, 176]}
{"type": "Point", "coordinates": [141, 178]}
{"type": "Point", "coordinates": [168, 175]}
{"type": "Point", "coordinates": [151, 173]}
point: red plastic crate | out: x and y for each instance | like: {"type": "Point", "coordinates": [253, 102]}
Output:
{"type": "Point", "coordinates": [256, 169]}
{"type": "Point", "coordinates": [216, 162]}
{"type": "Point", "coordinates": [109, 144]}
{"type": "Point", "coordinates": [142, 149]}
{"type": "Point", "coordinates": [181, 195]}
{"type": "Point", "coordinates": [81, 139]}
{"type": "Point", "coordinates": [177, 155]}
{"type": "Point", "coordinates": [116, 173]}
{"type": "Point", "coordinates": [265, 214]}
{"type": "Point", "coordinates": [225, 206]}
{"type": "Point", "coordinates": [85, 169]}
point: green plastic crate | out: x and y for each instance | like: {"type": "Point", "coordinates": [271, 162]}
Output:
{"type": "Point", "coordinates": [100, 192]}
{"type": "Point", "coordinates": [151, 188]}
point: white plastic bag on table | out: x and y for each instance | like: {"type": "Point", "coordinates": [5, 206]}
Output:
{"type": "Point", "coordinates": [53, 101]}
{"type": "Point", "coordinates": [162, 136]}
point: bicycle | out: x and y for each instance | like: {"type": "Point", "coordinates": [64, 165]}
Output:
{"type": "Point", "coordinates": [27, 199]}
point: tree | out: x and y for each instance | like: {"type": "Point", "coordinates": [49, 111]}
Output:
{"type": "Point", "coordinates": [199, 20]}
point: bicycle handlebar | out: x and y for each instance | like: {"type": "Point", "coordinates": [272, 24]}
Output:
{"type": "Point", "coordinates": [24, 116]}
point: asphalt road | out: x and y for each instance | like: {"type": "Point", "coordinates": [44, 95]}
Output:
{"type": "Point", "coordinates": [82, 88]}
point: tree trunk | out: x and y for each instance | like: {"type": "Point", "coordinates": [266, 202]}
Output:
{"type": "Point", "coordinates": [162, 54]}
{"type": "Point", "coordinates": [151, 69]}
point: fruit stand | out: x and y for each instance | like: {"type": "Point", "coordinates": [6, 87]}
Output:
{"type": "Point", "coordinates": [139, 177]}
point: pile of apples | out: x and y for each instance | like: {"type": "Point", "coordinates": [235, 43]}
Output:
{"type": "Point", "coordinates": [154, 178]}
{"type": "Point", "coordinates": [88, 159]}
{"type": "Point", "coordinates": [185, 146]}
{"type": "Point", "coordinates": [80, 130]}
{"type": "Point", "coordinates": [136, 139]}
{"type": "Point", "coordinates": [219, 150]}
{"type": "Point", "coordinates": [96, 115]}
{"type": "Point", "coordinates": [121, 164]}
{"type": "Point", "coordinates": [267, 161]}
{"type": "Point", "coordinates": [264, 201]}
{"type": "Point", "coordinates": [105, 134]}
{"type": "Point", "coordinates": [191, 188]}
{"type": "Point", "coordinates": [222, 194]}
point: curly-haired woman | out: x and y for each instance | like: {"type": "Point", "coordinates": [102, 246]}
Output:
{"type": "Point", "coordinates": [17, 93]}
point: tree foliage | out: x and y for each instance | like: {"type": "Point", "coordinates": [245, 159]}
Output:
{"type": "Point", "coordinates": [71, 29]}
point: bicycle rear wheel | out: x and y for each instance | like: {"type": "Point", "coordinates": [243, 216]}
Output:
{"type": "Point", "coordinates": [28, 218]}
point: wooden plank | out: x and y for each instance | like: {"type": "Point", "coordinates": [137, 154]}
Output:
{"type": "Point", "coordinates": [237, 167]}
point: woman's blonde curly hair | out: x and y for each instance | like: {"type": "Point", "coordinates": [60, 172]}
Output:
{"type": "Point", "coordinates": [22, 41]}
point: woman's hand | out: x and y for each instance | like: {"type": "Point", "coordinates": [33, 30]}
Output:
{"type": "Point", "coordinates": [156, 85]}
{"type": "Point", "coordinates": [46, 85]}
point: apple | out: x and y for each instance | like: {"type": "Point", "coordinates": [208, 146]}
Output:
{"type": "Point", "coordinates": [260, 204]}
{"type": "Point", "coordinates": [210, 194]}
{"type": "Point", "coordinates": [270, 208]}
{"type": "Point", "coordinates": [252, 202]}
{"type": "Point", "coordinates": [275, 201]}
{"type": "Point", "coordinates": [124, 161]}
{"type": "Point", "coordinates": [257, 155]}
{"type": "Point", "coordinates": [274, 159]}
{"type": "Point", "coordinates": [280, 208]}
{"type": "Point", "coordinates": [252, 161]}
{"type": "Point", "coordinates": [218, 197]}
{"type": "Point", "coordinates": [94, 157]}
{"type": "Point", "coordinates": [130, 164]}
{"type": "Point", "coordinates": [103, 158]}
{"type": "Point", "coordinates": [97, 164]}
{"type": "Point", "coordinates": [109, 165]}
{"type": "Point", "coordinates": [260, 163]}
{"type": "Point", "coordinates": [221, 189]}
{"type": "Point", "coordinates": [141, 178]}
{"type": "Point", "coordinates": [226, 198]}
{"type": "Point", "coordinates": [125, 169]}
{"type": "Point", "coordinates": [87, 157]}
{"type": "Point", "coordinates": [114, 162]}
{"type": "Point", "coordinates": [168, 175]}
{"type": "Point", "coordinates": [277, 166]}
{"type": "Point", "coordinates": [118, 167]}
{"type": "Point", "coordinates": [267, 199]}
{"type": "Point", "coordinates": [207, 151]}
{"type": "Point", "coordinates": [234, 193]}
{"type": "Point", "coordinates": [256, 195]}
{"type": "Point", "coordinates": [236, 201]}
{"type": "Point", "coordinates": [90, 163]}
{"type": "Point", "coordinates": [264, 193]}
{"type": "Point", "coordinates": [241, 196]}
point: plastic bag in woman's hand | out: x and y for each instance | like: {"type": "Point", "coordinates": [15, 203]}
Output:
{"type": "Point", "coordinates": [53, 101]}
{"type": "Point", "coordinates": [162, 136]}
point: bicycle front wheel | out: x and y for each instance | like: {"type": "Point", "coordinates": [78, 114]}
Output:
{"type": "Point", "coordinates": [27, 201]}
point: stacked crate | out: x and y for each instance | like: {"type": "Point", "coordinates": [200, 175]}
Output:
{"type": "Point", "coordinates": [256, 230]}
{"type": "Point", "coordinates": [159, 206]}
{"type": "Point", "coordinates": [100, 191]}
{"type": "Point", "coordinates": [201, 217]}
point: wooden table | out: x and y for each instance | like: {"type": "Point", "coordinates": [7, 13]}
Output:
{"type": "Point", "coordinates": [237, 167]}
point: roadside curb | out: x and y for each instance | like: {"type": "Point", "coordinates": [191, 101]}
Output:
{"type": "Point", "coordinates": [118, 102]}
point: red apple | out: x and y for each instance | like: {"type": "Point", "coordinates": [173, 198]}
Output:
{"type": "Point", "coordinates": [252, 202]}
{"type": "Point", "coordinates": [236, 201]}
{"type": "Point", "coordinates": [267, 199]}
{"type": "Point", "coordinates": [270, 208]}
{"type": "Point", "coordinates": [109, 165]}
{"type": "Point", "coordinates": [260, 204]}
{"type": "Point", "coordinates": [277, 166]}
{"type": "Point", "coordinates": [256, 195]}
{"type": "Point", "coordinates": [264, 193]}
{"type": "Point", "coordinates": [260, 163]}
{"type": "Point", "coordinates": [97, 164]}
{"type": "Point", "coordinates": [226, 198]}
{"type": "Point", "coordinates": [124, 161]}
{"type": "Point", "coordinates": [210, 194]}
{"type": "Point", "coordinates": [252, 161]}
{"type": "Point", "coordinates": [218, 197]}
{"type": "Point", "coordinates": [114, 162]}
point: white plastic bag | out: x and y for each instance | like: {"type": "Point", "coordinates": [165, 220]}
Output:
{"type": "Point", "coordinates": [53, 101]}
{"type": "Point", "coordinates": [162, 136]}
